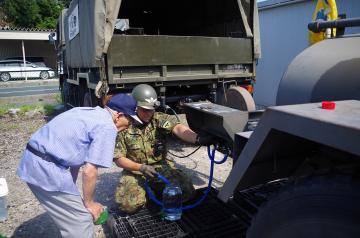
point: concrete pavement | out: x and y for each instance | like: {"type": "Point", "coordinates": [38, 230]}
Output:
{"type": "Point", "coordinates": [29, 82]}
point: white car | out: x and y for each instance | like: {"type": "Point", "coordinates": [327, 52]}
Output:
{"type": "Point", "coordinates": [12, 69]}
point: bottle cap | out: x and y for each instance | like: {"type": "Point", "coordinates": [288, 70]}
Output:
{"type": "Point", "coordinates": [3, 187]}
{"type": "Point", "coordinates": [328, 105]}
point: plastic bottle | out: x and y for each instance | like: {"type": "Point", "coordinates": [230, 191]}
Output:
{"type": "Point", "coordinates": [172, 203]}
{"type": "Point", "coordinates": [103, 217]}
{"type": "Point", "coordinates": [3, 200]}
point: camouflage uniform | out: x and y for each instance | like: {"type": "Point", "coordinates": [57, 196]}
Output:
{"type": "Point", "coordinates": [138, 143]}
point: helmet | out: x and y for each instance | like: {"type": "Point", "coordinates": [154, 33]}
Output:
{"type": "Point", "coordinates": [146, 96]}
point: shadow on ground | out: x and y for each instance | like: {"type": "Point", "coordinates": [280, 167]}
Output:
{"type": "Point", "coordinates": [41, 226]}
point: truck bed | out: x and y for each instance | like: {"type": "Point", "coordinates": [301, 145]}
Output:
{"type": "Point", "coordinates": [133, 58]}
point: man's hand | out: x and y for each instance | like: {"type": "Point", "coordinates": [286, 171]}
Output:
{"type": "Point", "coordinates": [205, 140]}
{"type": "Point", "coordinates": [95, 209]}
{"type": "Point", "coordinates": [148, 170]}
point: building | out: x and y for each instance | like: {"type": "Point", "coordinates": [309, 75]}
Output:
{"type": "Point", "coordinates": [284, 34]}
{"type": "Point", "coordinates": [16, 42]}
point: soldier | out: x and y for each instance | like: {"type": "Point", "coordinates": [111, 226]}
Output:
{"type": "Point", "coordinates": [141, 151]}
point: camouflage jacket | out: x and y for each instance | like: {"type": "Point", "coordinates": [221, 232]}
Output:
{"type": "Point", "coordinates": [146, 144]}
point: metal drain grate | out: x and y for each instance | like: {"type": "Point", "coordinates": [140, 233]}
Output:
{"type": "Point", "coordinates": [145, 224]}
{"type": "Point", "coordinates": [214, 219]}
{"type": "Point", "coordinates": [211, 219]}
{"type": "Point", "coordinates": [249, 200]}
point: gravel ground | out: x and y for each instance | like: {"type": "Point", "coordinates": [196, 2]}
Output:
{"type": "Point", "coordinates": [28, 219]}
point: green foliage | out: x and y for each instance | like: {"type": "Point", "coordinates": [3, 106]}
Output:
{"type": "Point", "coordinates": [27, 108]}
{"type": "Point", "coordinates": [4, 109]}
{"type": "Point", "coordinates": [22, 13]}
{"type": "Point", "coordinates": [49, 11]}
{"type": "Point", "coordinates": [46, 109]}
{"type": "Point", "coordinates": [49, 109]}
{"type": "Point", "coordinates": [32, 13]}
{"type": "Point", "coordinates": [66, 3]}
{"type": "Point", "coordinates": [58, 98]}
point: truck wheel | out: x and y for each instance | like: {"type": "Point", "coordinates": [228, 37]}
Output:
{"type": "Point", "coordinates": [312, 208]}
{"type": "Point", "coordinates": [87, 100]}
{"type": "Point", "coordinates": [238, 98]}
{"type": "Point", "coordinates": [65, 94]}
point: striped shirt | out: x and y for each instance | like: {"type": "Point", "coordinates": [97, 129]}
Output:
{"type": "Point", "coordinates": [74, 137]}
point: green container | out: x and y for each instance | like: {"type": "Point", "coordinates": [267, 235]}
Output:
{"type": "Point", "coordinates": [103, 218]}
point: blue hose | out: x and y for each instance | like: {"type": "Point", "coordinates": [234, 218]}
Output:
{"type": "Point", "coordinates": [151, 195]}
{"type": "Point", "coordinates": [167, 182]}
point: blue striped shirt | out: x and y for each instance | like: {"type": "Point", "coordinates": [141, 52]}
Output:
{"type": "Point", "coordinates": [74, 137]}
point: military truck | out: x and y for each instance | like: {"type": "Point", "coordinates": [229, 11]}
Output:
{"type": "Point", "coordinates": [187, 50]}
{"type": "Point", "coordinates": [297, 173]}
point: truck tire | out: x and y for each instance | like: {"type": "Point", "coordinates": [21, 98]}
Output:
{"type": "Point", "coordinates": [312, 208]}
{"type": "Point", "coordinates": [65, 94]}
{"type": "Point", "coordinates": [87, 100]}
{"type": "Point", "coordinates": [90, 99]}
{"type": "Point", "coordinates": [239, 98]}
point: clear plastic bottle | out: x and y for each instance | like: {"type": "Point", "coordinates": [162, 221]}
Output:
{"type": "Point", "coordinates": [172, 200]}
{"type": "Point", "coordinates": [3, 200]}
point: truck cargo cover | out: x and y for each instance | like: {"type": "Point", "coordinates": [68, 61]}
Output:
{"type": "Point", "coordinates": [89, 26]}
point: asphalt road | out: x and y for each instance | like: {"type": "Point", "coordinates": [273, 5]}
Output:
{"type": "Point", "coordinates": [28, 90]}
{"type": "Point", "coordinates": [33, 87]}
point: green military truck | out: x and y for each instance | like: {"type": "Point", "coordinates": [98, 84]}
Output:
{"type": "Point", "coordinates": [296, 174]}
{"type": "Point", "coordinates": [187, 50]}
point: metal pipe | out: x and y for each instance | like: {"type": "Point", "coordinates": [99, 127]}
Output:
{"type": "Point", "coordinates": [23, 52]}
{"type": "Point", "coordinates": [319, 26]}
{"type": "Point", "coordinates": [277, 3]}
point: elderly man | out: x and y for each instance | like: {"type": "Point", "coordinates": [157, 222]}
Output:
{"type": "Point", "coordinates": [141, 150]}
{"type": "Point", "coordinates": [84, 137]}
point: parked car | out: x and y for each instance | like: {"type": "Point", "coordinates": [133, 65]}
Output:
{"type": "Point", "coordinates": [11, 69]}
{"type": "Point", "coordinates": [37, 60]}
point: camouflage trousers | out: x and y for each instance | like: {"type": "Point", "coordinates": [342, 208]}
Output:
{"type": "Point", "coordinates": [131, 195]}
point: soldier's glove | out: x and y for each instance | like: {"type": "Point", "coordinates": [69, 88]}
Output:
{"type": "Point", "coordinates": [148, 170]}
{"type": "Point", "coordinates": [205, 140]}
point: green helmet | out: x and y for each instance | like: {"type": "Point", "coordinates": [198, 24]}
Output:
{"type": "Point", "coordinates": [146, 96]}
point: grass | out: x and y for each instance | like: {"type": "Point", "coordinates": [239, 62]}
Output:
{"type": "Point", "coordinates": [27, 108]}
{"type": "Point", "coordinates": [58, 98]}
{"type": "Point", "coordinates": [47, 109]}
{"type": "Point", "coordinates": [5, 108]}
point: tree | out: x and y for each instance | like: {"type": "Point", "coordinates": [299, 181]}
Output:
{"type": "Point", "coordinates": [22, 13]}
{"type": "Point", "coordinates": [32, 13]}
{"type": "Point", "coordinates": [49, 11]}
{"type": "Point", "coordinates": [66, 3]}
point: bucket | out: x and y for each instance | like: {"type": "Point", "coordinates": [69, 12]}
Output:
{"type": "Point", "coordinates": [3, 197]}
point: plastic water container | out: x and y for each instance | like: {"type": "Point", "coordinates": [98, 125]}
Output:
{"type": "Point", "coordinates": [103, 217]}
{"type": "Point", "coordinates": [3, 201]}
{"type": "Point", "coordinates": [172, 201]}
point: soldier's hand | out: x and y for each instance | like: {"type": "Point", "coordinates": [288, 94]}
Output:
{"type": "Point", "coordinates": [205, 140]}
{"type": "Point", "coordinates": [148, 170]}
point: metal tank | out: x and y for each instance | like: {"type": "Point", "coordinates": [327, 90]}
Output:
{"type": "Point", "coordinates": [328, 70]}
